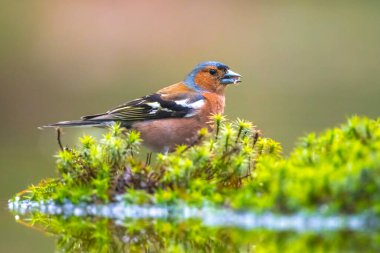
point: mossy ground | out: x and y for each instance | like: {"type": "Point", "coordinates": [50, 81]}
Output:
{"type": "Point", "coordinates": [335, 172]}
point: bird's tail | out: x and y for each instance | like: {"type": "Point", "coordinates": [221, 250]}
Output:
{"type": "Point", "coordinates": [77, 123]}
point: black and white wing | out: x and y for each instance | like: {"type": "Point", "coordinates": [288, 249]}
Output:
{"type": "Point", "coordinates": [155, 106]}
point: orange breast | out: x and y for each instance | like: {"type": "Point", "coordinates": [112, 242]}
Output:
{"type": "Point", "coordinates": [214, 103]}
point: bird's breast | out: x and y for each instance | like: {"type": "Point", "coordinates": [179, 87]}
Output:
{"type": "Point", "coordinates": [214, 104]}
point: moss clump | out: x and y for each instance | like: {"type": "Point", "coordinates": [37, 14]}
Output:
{"type": "Point", "coordinates": [336, 172]}
{"type": "Point", "coordinates": [97, 171]}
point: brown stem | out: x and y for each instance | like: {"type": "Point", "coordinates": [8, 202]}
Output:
{"type": "Point", "coordinates": [59, 132]}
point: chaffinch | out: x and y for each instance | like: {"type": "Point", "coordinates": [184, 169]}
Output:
{"type": "Point", "coordinates": [174, 114]}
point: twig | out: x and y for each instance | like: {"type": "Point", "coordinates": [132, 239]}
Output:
{"type": "Point", "coordinates": [59, 132]}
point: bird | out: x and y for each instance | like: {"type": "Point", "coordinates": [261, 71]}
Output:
{"type": "Point", "coordinates": [173, 115]}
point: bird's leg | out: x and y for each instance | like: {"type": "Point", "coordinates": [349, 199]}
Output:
{"type": "Point", "coordinates": [148, 158]}
{"type": "Point", "coordinates": [59, 132]}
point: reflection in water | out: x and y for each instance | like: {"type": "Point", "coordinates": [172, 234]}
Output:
{"type": "Point", "coordinates": [121, 228]}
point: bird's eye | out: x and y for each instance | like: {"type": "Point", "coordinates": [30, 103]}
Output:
{"type": "Point", "coordinates": [212, 72]}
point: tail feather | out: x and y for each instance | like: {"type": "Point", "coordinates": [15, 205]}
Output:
{"type": "Point", "coordinates": [78, 123]}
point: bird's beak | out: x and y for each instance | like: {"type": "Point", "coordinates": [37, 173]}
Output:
{"type": "Point", "coordinates": [230, 77]}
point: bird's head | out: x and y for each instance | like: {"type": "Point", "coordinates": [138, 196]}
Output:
{"type": "Point", "coordinates": [211, 76]}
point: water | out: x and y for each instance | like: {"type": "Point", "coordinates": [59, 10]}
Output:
{"type": "Point", "coordinates": [120, 227]}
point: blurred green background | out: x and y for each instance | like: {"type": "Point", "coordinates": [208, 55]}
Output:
{"type": "Point", "coordinates": [306, 65]}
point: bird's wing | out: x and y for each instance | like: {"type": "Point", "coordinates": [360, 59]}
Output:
{"type": "Point", "coordinates": [155, 106]}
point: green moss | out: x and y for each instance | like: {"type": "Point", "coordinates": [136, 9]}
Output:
{"type": "Point", "coordinates": [335, 172]}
